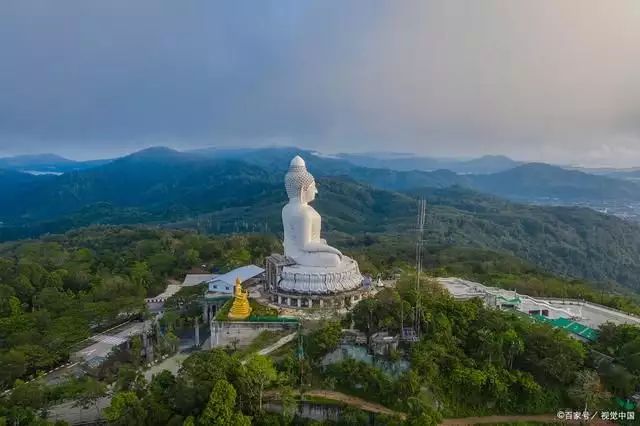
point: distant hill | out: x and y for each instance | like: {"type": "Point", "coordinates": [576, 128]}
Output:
{"type": "Point", "coordinates": [567, 241]}
{"type": "Point", "coordinates": [627, 174]}
{"type": "Point", "coordinates": [522, 182]}
{"type": "Point", "coordinates": [46, 163]}
{"type": "Point", "coordinates": [13, 183]}
{"type": "Point", "coordinates": [156, 179]}
{"type": "Point", "coordinates": [169, 188]}
{"type": "Point", "coordinates": [543, 181]}
{"type": "Point", "coordinates": [409, 162]}
{"type": "Point", "coordinates": [156, 176]}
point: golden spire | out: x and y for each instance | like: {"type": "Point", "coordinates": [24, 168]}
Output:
{"type": "Point", "coordinates": [240, 308]}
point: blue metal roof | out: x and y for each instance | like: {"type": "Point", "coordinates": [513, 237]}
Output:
{"type": "Point", "coordinates": [244, 273]}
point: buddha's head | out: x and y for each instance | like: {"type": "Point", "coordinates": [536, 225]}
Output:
{"type": "Point", "coordinates": [299, 183]}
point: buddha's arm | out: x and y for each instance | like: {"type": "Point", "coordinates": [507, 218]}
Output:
{"type": "Point", "coordinates": [320, 247]}
{"type": "Point", "coordinates": [316, 246]}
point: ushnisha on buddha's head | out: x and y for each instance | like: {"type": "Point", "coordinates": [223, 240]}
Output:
{"type": "Point", "coordinates": [299, 183]}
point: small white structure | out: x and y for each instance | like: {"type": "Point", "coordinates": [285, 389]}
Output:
{"type": "Point", "coordinates": [224, 283]}
{"type": "Point", "coordinates": [309, 266]}
{"type": "Point", "coordinates": [220, 288]}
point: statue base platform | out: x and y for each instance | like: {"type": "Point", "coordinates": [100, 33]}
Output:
{"type": "Point", "coordinates": [345, 300]}
{"type": "Point", "coordinates": [296, 286]}
{"type": "Point", "coordinates": [320, 280]}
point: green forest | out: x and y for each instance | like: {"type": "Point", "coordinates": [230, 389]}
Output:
{"type": "Point", "coordinates": [61, 289]}
{"type": "Point", "coordinates": [57, 291]}
{"type": "Point", "coordinates": [162, 187]}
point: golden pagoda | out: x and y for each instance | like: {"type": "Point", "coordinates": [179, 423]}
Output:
{"type": "Point", "coordinates": [240, 308]}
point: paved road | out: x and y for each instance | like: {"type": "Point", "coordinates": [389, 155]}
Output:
{"type": "Point", "coordinates": [105, 342]}
{"type": "Point", "coordinates": [73, 415]}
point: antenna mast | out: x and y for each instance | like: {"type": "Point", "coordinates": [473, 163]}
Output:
{"type": "Point", "coordinates": [422, 210]}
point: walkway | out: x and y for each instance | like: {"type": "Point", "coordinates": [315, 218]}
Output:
{"type": "Point", "coordinates": [172, 364]}
{"type": "Point", "coordinates": [283, 341]}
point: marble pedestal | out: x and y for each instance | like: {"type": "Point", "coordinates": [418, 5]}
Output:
{"type": "Point", "coordinates": [320, 280]}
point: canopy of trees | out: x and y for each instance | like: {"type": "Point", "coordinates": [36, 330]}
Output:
{"type": "Point", "coordinates": [57, 291]}
{"type": "Point", "coordinates": [471, 359]}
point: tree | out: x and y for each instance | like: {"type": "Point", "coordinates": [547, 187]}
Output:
{"type": "Point", "coordinates": [260, 373]}
{"type": "Point", "coordinates": [6, 293]}
{"type": "Point", "coordinates": [192, 257]}
{"type": "Point", "coordinates": [29, 395]}
{"type": "Point", "coordinates": [169, 343]}
{"type": "Point", "coordinates": [141, 274]}
{"type": "Point", "coordinates": [14, 365]}
{"type": "Point", "coordinates": [550, 354]}
{"type": "Point", "coordinates": [92, 392]}
{"type": "Point", "coordinates": [198, 374]}
{"type": "Point", "coordinates": [220, 410]}
{"type": "Point", "coordinates": [127, 376]}
{"type": "Point", "coordinates": [421, 413]}
{"type": "Point", "coordinates": [136, 350]}
{"type": "Point", "coordinates": [162, 263]}
{"type": "Point", "coordinates": [323, 340]}
{"type": "Point", "coordinates": [588, 390]}
{"type": "Point", "coordinates": [513, 344]}
{"type": "Point", "coordinates": [125, 410]}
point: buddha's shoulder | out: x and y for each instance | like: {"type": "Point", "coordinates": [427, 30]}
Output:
{"type": "Point", "coordinates": [295, 207]}
{"type": "Point", "coordinates": [299, 210]}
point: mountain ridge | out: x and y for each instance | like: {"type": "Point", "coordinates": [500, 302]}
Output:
{"type": "Point", "coordinates": [46, 163]}
{"type": "Point", "coordinates": [168, 188]}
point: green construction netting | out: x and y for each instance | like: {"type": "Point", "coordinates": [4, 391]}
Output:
{"type": "Point", "coordinates": [515, 300]}
{"type": "Point", "coordinates": [570, 326]}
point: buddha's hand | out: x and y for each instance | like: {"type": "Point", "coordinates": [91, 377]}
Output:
{"type": "Point", "coordinates": [320, 246]}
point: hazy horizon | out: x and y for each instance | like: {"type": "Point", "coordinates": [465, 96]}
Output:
{"type": "Point", "coordinates": [460, 158]}
{"type": "Point", "coordinates": [551, 81]}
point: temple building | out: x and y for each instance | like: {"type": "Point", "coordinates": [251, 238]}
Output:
{"type": "Point", "coordinates": [310, 273]}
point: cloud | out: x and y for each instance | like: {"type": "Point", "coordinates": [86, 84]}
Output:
{"type": "Point", "coordinates": [543, 80]}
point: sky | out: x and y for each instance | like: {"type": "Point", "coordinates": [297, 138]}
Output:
{"type": "Point", "coordinates": [538, 80]}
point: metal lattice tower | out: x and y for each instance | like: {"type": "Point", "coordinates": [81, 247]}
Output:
{"type": "Point", "coordinates": [300, 353]}
{"type": "Point", "coordinates": [422, 211]}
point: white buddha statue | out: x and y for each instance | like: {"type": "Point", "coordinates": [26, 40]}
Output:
{"type": "Point", "coordinates": [319, 268]}
{"type": "Point", "coordinates": [302, 223]}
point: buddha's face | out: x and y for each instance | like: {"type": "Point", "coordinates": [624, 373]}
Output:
{"type": "Point", "coordinates": [309, 193]}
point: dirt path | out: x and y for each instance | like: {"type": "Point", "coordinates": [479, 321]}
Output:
{"type": "Point", "coordinates": [355, 402]}
{"type": "Point", "coordinates": [373, 407]}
